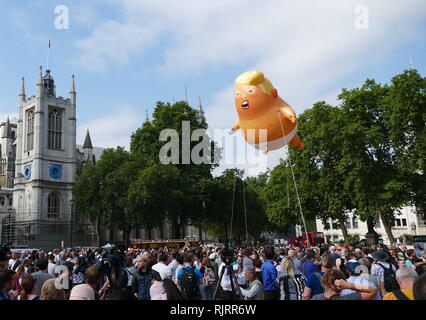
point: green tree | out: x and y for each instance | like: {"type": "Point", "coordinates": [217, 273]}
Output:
{"type": "Point", "coordinates": [101, 191]}
{"type": "Point", "coordinates": [376, 184]}
{"type": "Point", "coordinates": [406, 117]}
{"type": "Point", "coordinates": [321, 127]}
{"type": "Point", "coordinates": [146, 145]}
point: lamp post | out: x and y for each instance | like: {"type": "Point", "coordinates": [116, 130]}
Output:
{"type": "Point", "coordinates": [71, 222]}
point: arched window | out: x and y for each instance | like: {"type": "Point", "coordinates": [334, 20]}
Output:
{"type": "Point", "coordinates": [355, 222]}
{"type": "Point", "coordinates": [30, 130]}
{"type": "Point", "coordinates": [55, 129]}
{"type": "Point", "coordinates": [53, 206]}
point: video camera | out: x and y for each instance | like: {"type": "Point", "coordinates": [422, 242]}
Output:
{"type": "Point", "coordinates": [228, 256]}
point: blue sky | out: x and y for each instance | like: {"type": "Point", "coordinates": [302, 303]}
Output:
{"type": "Point", "coordinates": [128, 54]}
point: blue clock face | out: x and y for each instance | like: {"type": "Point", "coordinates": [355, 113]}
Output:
{"type": "Point", "coordinates": [27, 172]}
{"type": "Point", "coordinates": [55, 171]}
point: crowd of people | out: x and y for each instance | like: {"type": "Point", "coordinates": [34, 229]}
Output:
{"type": "Point", "coordinates": [216, 273]}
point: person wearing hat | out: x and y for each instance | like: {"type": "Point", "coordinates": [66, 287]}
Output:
{"type": "Point", "coordinates": [254, 289]}
{"type": "Point", "coordinates": [378, 269]}
{"type": "Point", "coordinates": [355, 269]}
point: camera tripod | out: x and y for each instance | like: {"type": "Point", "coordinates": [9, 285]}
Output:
{"type": "Point", "coordinates": [232, 279]}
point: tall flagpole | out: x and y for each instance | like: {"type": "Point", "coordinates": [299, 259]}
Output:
{"type": "Point", "coordinates": [48, 56]}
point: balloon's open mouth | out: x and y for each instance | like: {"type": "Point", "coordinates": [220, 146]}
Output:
{"type": "Point", "coordinates": [245, 104]}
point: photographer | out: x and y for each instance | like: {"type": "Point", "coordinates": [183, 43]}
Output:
{"type": "Point", "coordinates": [226, 267]}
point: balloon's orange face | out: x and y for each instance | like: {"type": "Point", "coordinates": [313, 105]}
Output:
{"type": "Point", "coordinates": [251, 101]}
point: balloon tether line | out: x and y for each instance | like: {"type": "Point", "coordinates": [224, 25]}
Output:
{"type": "Point", "coordinates": [245, 210]}
{"type": "Point", "coordinates": [232, 211]}
{"type": "Point", "coordinates": [294, 179]}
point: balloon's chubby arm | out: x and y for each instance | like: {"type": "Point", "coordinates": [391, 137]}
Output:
{"type": "Point", "coordinates": [288, 113]}
{"type": "Point", "coordinates": [235, 127]}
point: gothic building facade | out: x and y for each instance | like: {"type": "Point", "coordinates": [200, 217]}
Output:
{"type": "Point", "coordinates": [39, 163]}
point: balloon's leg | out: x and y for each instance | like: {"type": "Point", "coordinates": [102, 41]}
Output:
{"type": "Point", "coordinates": [297, 143]}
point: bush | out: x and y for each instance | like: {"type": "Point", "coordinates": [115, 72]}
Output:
{"type": "Point", "coordinates": [352, 239]}
{"type": "Point", "coordinates": [408, 238]}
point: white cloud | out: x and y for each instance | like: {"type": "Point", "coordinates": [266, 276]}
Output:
{"type": "Point", "coordinates": [111, 131]}
{"type": "Point", "coordinates": [304, 47]}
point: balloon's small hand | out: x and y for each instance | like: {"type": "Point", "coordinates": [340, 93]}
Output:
{"type": "Point", "coordinates": [232, 131]}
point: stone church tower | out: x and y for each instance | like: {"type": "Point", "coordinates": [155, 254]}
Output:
{"type": "Point", "coordinates": [45, 159]}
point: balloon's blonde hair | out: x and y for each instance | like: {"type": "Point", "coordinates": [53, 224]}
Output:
{"type": "Point", "coordinates": [255, 78]}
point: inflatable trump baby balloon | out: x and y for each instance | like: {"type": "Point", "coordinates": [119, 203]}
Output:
{"type": "Point", "coordinates": [267, 122]}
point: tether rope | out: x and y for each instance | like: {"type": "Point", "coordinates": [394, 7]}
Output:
{"type": "Point", "coordinates": [232, 211]}
{"type": "Point", "coordinates": [294, 180]}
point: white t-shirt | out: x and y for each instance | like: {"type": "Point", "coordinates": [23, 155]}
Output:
{"type": "Point", "coordinates": [162, 269]}
{"type": "Point", "coordinates": [51, 268]}
{"type": "Point", "coordinates": [172, 269]}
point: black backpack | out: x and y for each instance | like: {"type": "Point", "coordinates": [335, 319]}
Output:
{"type": "Point", "coordinates": [389, 278]}
{"type": "Point", "coordinates": [189, 282]}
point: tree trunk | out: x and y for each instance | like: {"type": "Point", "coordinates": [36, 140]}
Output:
{"type": "Point", "coordinates": [126, 234]}
{"type": "Point", "coordinates": [161, 232]}
{"type": "Point", "coordinates": [343, 227]}
{"type": "Point", "coordinates": [387, 226]}
{"type": "Point", "coordinates": [101, 232]}
{"type": "Point", "coordinates": [175, 228]}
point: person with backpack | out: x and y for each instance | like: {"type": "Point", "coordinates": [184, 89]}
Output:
{"type": "Point", "coordinates": [384, 271]}
{"type": "Point", "coordinates": [189, 279]}
{"type": "Point", "coordinates": [406, 278]}
{"type": "Point", "coordinates": [208, 281]}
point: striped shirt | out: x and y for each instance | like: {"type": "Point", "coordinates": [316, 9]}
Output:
{"type": "Point", "coordinates": [292, 289]}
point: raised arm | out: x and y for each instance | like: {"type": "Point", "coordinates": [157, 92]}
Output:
{"type": "Point", "coordinates": [367, 292]}
{"type": "Point", "coordinates": [288, 113]}
{"type": "Point", "coordinates": [235, 127]}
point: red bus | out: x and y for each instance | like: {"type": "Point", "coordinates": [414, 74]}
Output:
{"type": "Point", "coordinates": [315, 238]}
